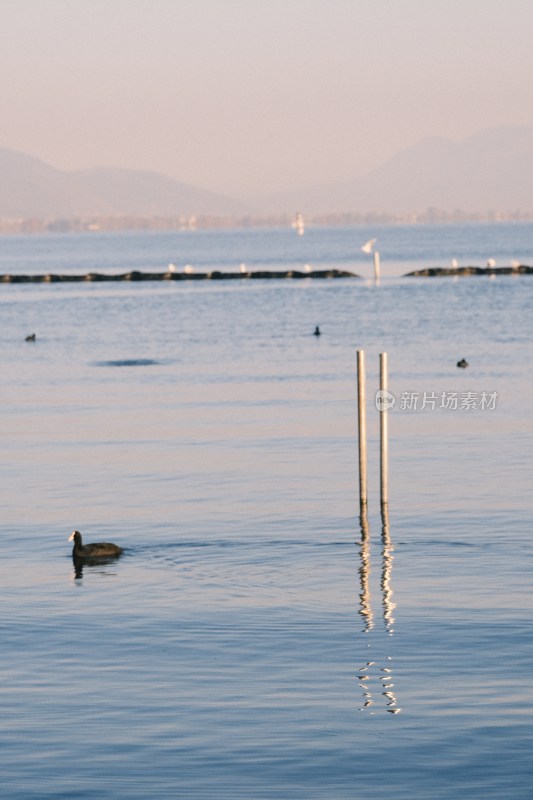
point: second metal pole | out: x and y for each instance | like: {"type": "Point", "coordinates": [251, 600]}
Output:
{"type": "Point", "coordinates": [384, 430]}
{"type": "Point", "coordinates": [361, 408]}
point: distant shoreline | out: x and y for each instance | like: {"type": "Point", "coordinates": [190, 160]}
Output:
{"type": "Point", "coordinates": [122, 223]}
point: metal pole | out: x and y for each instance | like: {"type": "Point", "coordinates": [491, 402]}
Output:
{"type": "Point", "coordinates": [361, 407]}
{"type": "Point", "coordinates": [384, 430]}
{"type": "Point", "coordinates": [376, 266]}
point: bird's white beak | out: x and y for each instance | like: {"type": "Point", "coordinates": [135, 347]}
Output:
{"type": "Point", "coordinates": [71, 537]}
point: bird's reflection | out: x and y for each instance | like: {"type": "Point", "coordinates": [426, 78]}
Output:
{"type": "Point", "coordinates": [375, 677]}
{"type": "Point", "coordinates": [78, 568]}
{"type": "Point", "coordinates": [80, 564]}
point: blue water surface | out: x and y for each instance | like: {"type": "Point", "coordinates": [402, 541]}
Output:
{"type": "Point", "coordinates": [256, 640]}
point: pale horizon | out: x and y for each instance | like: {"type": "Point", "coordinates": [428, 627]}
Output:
{"type": "Point", "coordinates": [246, 98]}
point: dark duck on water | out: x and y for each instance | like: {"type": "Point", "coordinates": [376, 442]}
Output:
{"type": "Point", "coordinates": [93, 551]}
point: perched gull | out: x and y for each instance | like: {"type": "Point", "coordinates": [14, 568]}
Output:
{"type": "Point", "coordinates": [188, 270]}
{"type": "Point", "coordinates": [368, 246]}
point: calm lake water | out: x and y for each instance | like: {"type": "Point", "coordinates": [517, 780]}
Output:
{"type": "Point", "coordinates": [253, 641]}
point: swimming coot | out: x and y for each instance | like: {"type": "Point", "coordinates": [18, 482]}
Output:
{"type": "Point", "coordinates": [317, 331]}
{"type": "Point", "coordinates": [463, 363]}
{"type": "Point", "coordinates": [96, 550]}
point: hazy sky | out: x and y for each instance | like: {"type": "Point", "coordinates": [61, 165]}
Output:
{"type": "Point", "coordinates": [254, 96]}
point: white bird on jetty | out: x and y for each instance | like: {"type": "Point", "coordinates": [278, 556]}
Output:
{"type": "Point", "coordinates": [243, 269]}
{"type": "Point", "coordinates": [491, 262]}
{"type": "Point", "coordinates": [455, 263]}
{"type": "Point", "coordinates": [369, 246]}
{"type": "Point", "coordinates": [307, 268]}
{"type": "Point", "coordinates": [188, 270]}
{"type": "Point", "coordinates": [172, 268]}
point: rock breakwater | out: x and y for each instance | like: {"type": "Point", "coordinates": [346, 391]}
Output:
{"type": "Point", "coordinates": [216, 275]}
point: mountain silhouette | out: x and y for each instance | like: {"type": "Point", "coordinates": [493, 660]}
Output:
{"type": "Point", "coordinates": [491, 170]}
{"type": "Point", "coordinates": [31, 188]}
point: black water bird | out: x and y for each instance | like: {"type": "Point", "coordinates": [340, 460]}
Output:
{"type": "Point", "coordinates": [30, 338]}
{"type": "Point", "coordinates": [463, 363]}
{"type": "Point", "coordinates": [316, 331]}
{"type": "Point", "coordinates": [98, 550]}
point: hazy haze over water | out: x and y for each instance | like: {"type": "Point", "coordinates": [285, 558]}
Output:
{"type": "Point", "coordinates": [246, 97]}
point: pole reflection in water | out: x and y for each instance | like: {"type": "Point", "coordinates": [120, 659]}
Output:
{"type": "Point", "coordinates": [386, 571]}
{"type": "Point", "coordinates": [365, 606]}
{"type": "Point", "coordinates": [376, 676]}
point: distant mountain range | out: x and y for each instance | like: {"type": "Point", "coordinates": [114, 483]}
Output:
{"type": "Point", "coordinates": [490, 170]}
{"type": "Point", "coordinates": [31, 188]}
